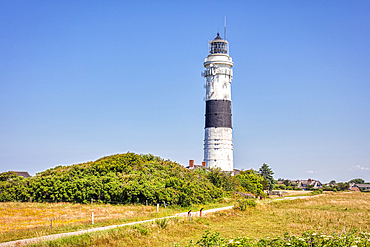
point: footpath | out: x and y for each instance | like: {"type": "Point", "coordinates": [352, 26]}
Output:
{"type": "Point", "coordinates": [29, 241]}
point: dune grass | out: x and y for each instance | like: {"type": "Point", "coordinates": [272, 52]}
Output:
{"type": "Point", "coordinates": [329, 214]}
{"type": "Point", "coordinates": [26, 220]}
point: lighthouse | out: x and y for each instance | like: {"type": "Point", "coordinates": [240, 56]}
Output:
{"type": "Point", "coordinates": [218, 141]}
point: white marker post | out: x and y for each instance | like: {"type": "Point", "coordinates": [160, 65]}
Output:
{"type": "Point", "coordinates": [92, 218]}
{"type": "Point", "coordinates": [157, 207]}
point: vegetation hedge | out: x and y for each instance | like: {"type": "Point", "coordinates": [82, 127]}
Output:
{"type": "Point", "coordinates": [127, 178]}
{"type": "Point", "coordinates": [307, 239]}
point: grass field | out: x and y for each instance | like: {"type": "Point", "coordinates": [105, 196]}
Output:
{"type": "Point", "coordinates": [329, 214]}
{"type": "Point", "coordinates": [26, 220]}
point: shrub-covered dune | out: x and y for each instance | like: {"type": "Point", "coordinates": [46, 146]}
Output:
{"type": "Point", "coordinates": [125, 178]}
{"type": "Point", "coordinates": [130, 178]}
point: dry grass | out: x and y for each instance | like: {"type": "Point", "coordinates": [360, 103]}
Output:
{"type": "Point", "coordinates": [27, 220]}
{"type": "Point", "coordinates": [329, 213]}
{"type": "Point", "coordinates": [21, 216]}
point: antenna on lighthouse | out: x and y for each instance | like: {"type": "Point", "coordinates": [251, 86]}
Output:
{"type": "Point", "coordinates": [225, 29]}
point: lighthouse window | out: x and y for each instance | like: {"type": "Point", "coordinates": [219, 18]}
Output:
{"type": "Point", "coordinates": [218, 47]}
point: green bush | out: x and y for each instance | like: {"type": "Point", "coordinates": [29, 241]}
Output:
{"type": "Point", "coordinates": [351, 238]}
{"type": "Point", "coordinates": [209, 239]}
{"type": "Point", "coordinates": [250, 181]}
{"type": "Point", "coordinates": [280, 187]}
{"type": "Point", "coordinates": [317, 192]}
{"type": "Point", "coordinates": [142, 229]}
{"type": "Point", "coordinates": [128, 178]}
{"type": "Point", "coordinates": [123, 178]}
{"type": "Point", "coordinates": [242, 204]}
{"type": "Point", "coordinates": [162, 223]}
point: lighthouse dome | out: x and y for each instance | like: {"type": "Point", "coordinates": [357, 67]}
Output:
{"type": "Point", "coordinates": [218, 46]}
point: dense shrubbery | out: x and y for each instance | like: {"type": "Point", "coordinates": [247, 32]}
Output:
{"type": "Point", "coordinates": [242, 204]}
{"type": "Point", "coordinates": [352, 238]}
{"type": "Point", "coordinates": [127, 178]}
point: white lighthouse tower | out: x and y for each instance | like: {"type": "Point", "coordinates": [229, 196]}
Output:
{"type": "Point", "coordinates": [218, 142]}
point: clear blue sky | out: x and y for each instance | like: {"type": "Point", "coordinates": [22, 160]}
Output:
{"type": "Point", "coordinates": [84, 79]}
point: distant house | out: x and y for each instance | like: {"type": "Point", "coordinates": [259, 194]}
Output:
{"type": "Point", "coordinates": [358, 187]}
{"type": "Point", "coordinates": [304, 184]}
{"type": "Point", "coordinates": [354, 189]}
{"type": "Point", "coordinates": [22, 174]}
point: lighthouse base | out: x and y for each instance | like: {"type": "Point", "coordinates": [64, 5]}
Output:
{"type": "Point", "coordinates": [218, 148]}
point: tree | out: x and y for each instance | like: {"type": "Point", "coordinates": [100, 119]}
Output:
{"type": "Point", "coordinates": [281, 187]}
{"type": "Point", "coordinates": [287, 182]}
{"type": "Point", "coordinates": [343, 186]}
{"type": "Point", "coordinates": [357, 181]}
{"type": "Point", "coordinates": [221, 179]}
{"type": "Point", "coordinates": [267, 173]}
{"type": "Point", "coordinates": [250, 181]}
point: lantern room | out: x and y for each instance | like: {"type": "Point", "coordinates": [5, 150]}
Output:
{"type": "Point", "coordinates": [218, 46]}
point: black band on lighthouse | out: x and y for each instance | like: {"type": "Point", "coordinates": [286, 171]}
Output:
{"type": "Point", "coordinates": [218, 113]}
